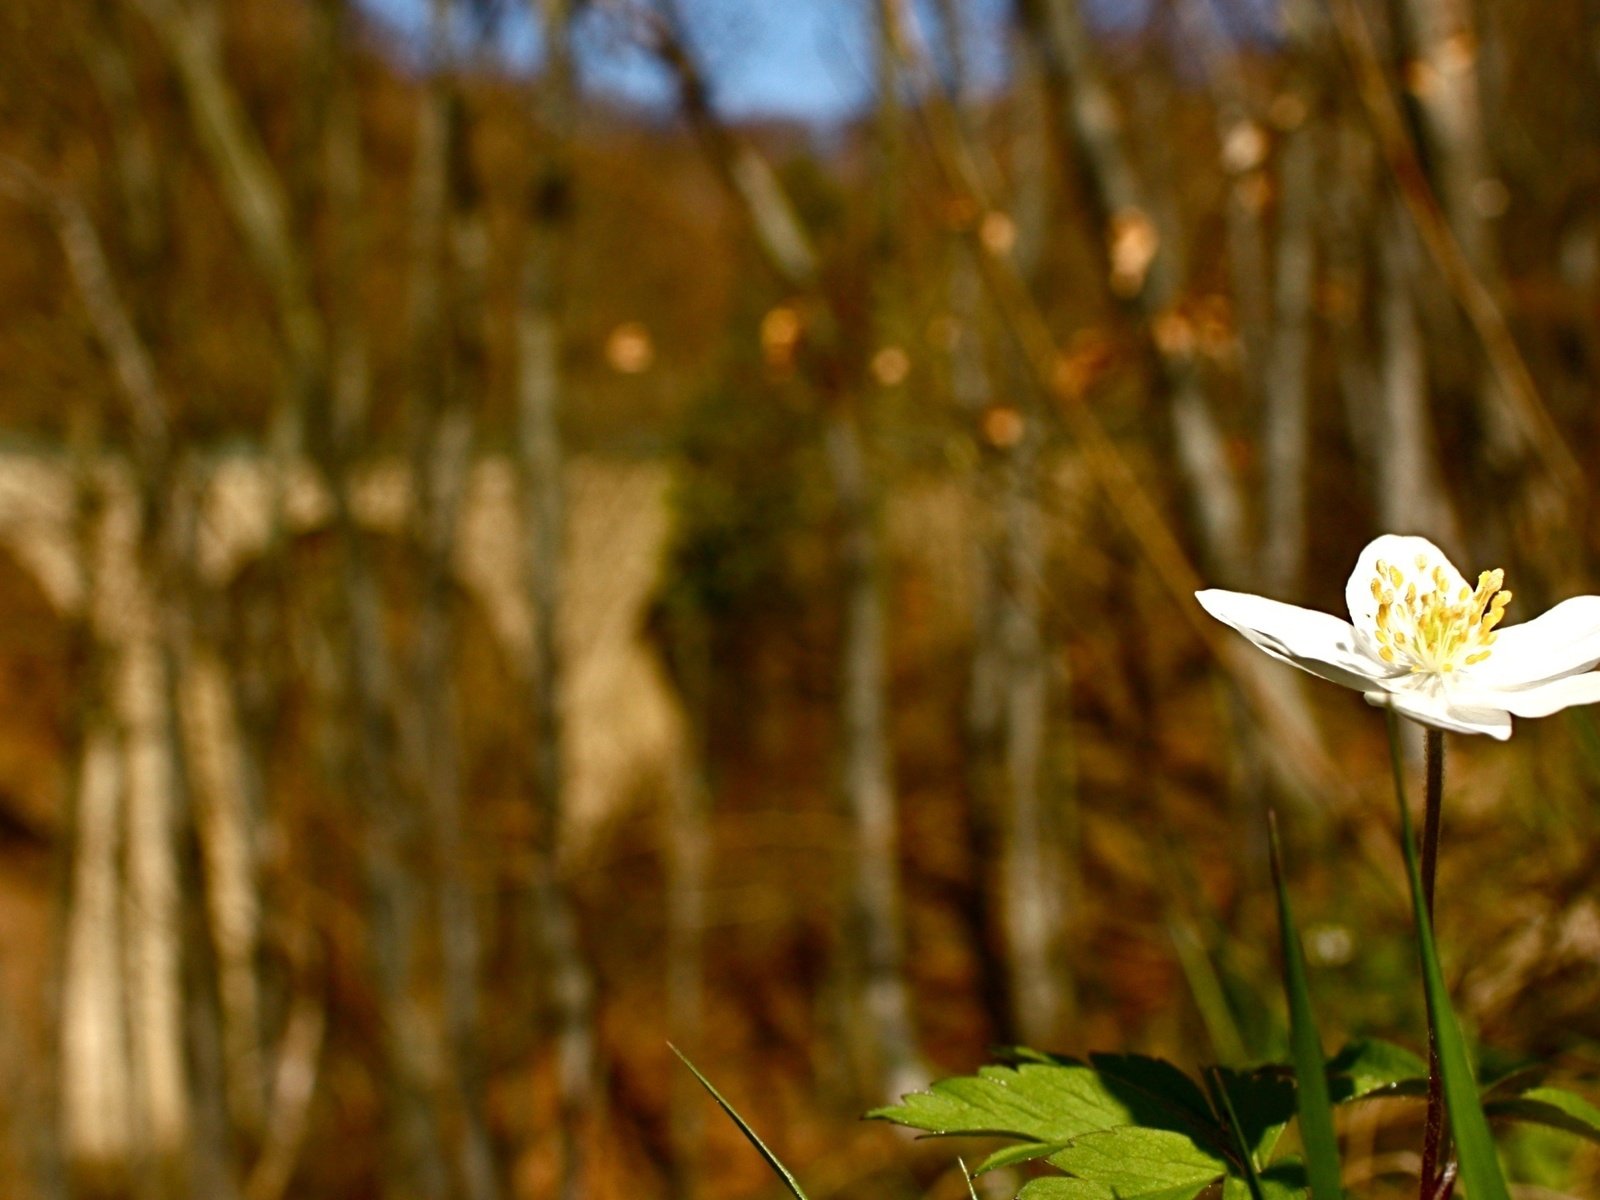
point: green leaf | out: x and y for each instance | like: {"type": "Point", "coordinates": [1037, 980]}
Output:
{"type": "Point", "coordinates": [1055, 1187]}
{"type": "Point", "coordinates": [1263, 1101]}
{"type": "Point", "coordinates": [1475, 1152]}
{"type": "Point", "coordinates": [1552, 1107]}
{"type": "Point", "coordinates": [1244, 1159]}
{"type": "Point", "coordinates": [1038, 1102]}
{"type": "Point", "coordinates": [1159, 1096]}
{"type": "Point", "coordinates": [1142, 1164]}
{"type": "Point", "coordinates": [1510, 1081]}
{"type": "Point", "coordinates": [1057, 1100]}
{"type": "Point", "coordinates": [1283, 1180]}
{"type": "Point", "coordinates": [1370, 1067]}
{"type": "Point", "coordinates": [778, 1168]}
{"type": "Point", "coordinates": [1052, 1104]}
{"type": "Point", "coordinates": [1316, 1110]}
{"type": "Point", "coordinates": [1013, 1156]}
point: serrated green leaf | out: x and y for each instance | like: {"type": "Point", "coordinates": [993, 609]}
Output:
{"type": "Point", "coordinates": [1058, 1100]}
{"type": "Point", "coordinates": [1554, 1108]}
{"type": "Point", "coordinates": [1263, 1099]}
{"type": "Point", "coordinates": [1156, 1093]}
{"type": "Point", "coordinates": [1370, 1067]}
{"type": "Point", "coordinates": [1243, 1157]}
{"type": "Point", "coordinates": [1480, 1170]}
{"type": "Point", "coordinates": [1022, 1054]}
{"type": "Point", "coordinates": [1051, 1104]}
{"type": "Point", "coordinates": [1142, 1164]}
{"type": "Point", "coordinates": [1311, 1093]}
{"type": "Point", "coordinates": [1283, 1180]}
{"type": "Point", "coordinates": [1040, 1102]}
{"type": "Point", "coordinates": [1012, 1156]}
{"type": "Point", "coordinates": [1056, 1187]}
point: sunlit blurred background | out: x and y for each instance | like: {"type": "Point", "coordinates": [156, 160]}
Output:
{"type": "Point", "coordinates": [531, 530]}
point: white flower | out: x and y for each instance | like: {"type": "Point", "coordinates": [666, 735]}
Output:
{"type": "Point", "coordinates": [1423, 639]}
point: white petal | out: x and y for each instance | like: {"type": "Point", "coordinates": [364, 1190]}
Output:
{"type": "Point", "coordinates": [1443, 712]}
{"type": "Point", "coordinates": [1563, 641]}
{"type": "Point", "coordinates": [1313, 641]}
{"type": "Point", "coordinates": [1395, 551]}
{"type": "Point", "coordinates": [1537, 700]}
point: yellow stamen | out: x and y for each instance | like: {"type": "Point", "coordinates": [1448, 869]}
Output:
{"type": "Point", "coordinates": [1432, 624]}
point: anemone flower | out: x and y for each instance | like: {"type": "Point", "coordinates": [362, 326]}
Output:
{"type": "Point", "coordinates": [1425, 641]}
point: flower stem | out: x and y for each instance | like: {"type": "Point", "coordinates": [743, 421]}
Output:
{"type": "Point", "coordinates": [1436, 1185]}
{"type": "Point", "coordinates": [1434, 759]}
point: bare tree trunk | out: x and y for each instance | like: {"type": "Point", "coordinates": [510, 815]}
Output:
{"type": "Point", "coordinates": [226, 805]}
{"type": "Point", "coordinates": [984, 715]}
{"type": "Point", "coordinates": [153, 900]}
{"type": "Point", "coordinates": [458, 919]}
{"type": "Point", "coordinates": [1031, 874]}
{"type": "Point", "coordinates": [437, 719]}
{"type": "Point", "coordinates": [176, 604]}
{"type": "Point", "coordinates": [1518, 428]}
{"type": "Point", "coordinates": [219, 840]}
{"type": "Point", "coordinates": [96, 1065]}
{"type": "Point", "coordinates": [688, 841]}
{"type": "Point", "coordinates": [449, 248]}
{"type": "Point", "coordinates": [419, 1055]}
{"type": "Point", "coordinates": [569, 984]}
{"type": "Point", "coordinates": [1008, 692]}
{"type": "Point", "coordinates": [867, 774]}
{"type": "Point", "coordinates": [1410, 494]}
{"type": "Point", "coordinates": [256, 199]}
{"type": "Point", "coordinates": [1273, 301]}
{"type": "Point", "coordinates": [885, 1044]}
{"type": "Point", "coordinates": [1286, 430]}
{"type": "Point", "coordinates": [129, 587]}
{"type": "Point", "coordinates": [367, 743]}
{"type": "Point", "coordinates": [138, 174]}
{"type": "Point", "coordinates": [100, 1130]}
{"type": "Point", "coordinates": [1038, 903]}
{"type": "Point", "coordinates": [1439, 48]}
{"type": "Point", "coordinates": [413, 1164]}
{"type": "Point", "coordinates": [250, 186]}
{"type": "Point", "coordinates": [251, 190]}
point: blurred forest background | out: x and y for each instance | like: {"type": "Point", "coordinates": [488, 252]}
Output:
{"type": "Point", "coordinates": [508, 558]}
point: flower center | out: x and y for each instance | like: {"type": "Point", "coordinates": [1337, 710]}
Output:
{"type": "Point", "coordinates": [1422, 625]}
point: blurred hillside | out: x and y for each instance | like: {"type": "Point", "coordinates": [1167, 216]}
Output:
{"type": "Point", "coordinates": [495, 577]}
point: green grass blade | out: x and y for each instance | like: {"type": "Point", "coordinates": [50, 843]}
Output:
{"type": "Point", "coordinates": [772, 1160]}
{"type": "Point", "coordinates": [1311, 1081]}
{"type": "Point", "coordinates": [972, 1192]}
{"type": "Point", "coordinates": [1205, 987]}
{"type": "Point", "coordinates": [1480, 1165]}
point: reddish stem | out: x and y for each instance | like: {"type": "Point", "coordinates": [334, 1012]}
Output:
{"type": "Point", "coordinates": [1438, 1181]}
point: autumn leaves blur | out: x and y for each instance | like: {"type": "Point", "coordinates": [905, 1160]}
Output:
{"type": "Point", "coordinates": [496, 578]}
